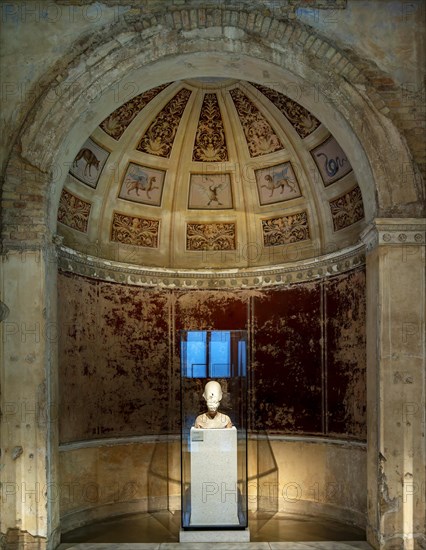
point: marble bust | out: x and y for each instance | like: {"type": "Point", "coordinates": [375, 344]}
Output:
{"type": "Point", "coordinates": [213, 419]}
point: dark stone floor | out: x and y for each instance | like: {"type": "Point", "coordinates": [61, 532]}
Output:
{"type": "Point", "coordinates": [161, 529]}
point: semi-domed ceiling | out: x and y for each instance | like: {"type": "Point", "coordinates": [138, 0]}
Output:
{"type": "Point", "coordinates": [210, 173]}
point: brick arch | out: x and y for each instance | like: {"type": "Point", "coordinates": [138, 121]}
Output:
{"type": "Point", "coordinates": [150, 48]}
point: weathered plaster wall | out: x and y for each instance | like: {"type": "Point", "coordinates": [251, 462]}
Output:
{"type": "Point", "coordinates": [120, 394]}
{"type": "Point", "coordinates": [309, 358]}
{"type": "Point", "coordinates": [396, 388]}
{"type": "Point", "coordinates": [118, 478]}
{"type": "Point", "coordinates": [296, 476]}
{"type": "Point", "coordinates": [115, 364]}
{"type": "Point", "coordinates": [35, 36]}
{"type": "Point", "coordinates": [119, 355]}
{"type": "Point", "coordinates": [345, 355]}
{"type": "Point", "coordinates": [384, 33]}
{"type": "Point", "coordinates": [39, 37]}
{"type": "Point", "coordinates": [288, 362]}
{"type": "Point", "coordinates": [28, 417]}
{"type": "Point", "coordinates": [319, 479]}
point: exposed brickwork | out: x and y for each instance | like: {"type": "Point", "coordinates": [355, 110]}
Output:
{"type": "Point", "coordinates": [23, 205]}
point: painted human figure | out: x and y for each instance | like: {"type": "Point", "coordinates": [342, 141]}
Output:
{"type": "Point", "coordinates": [213, 419]}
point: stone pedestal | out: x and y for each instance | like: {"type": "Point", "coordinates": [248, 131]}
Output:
{"type": "Point", "coordinates": [230, 535]}
{"type": "Point", "coordinates": [214, 488]}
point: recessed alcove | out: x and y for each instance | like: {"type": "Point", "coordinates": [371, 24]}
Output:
{"type": "Point", "coordinates": [215, 165]}
{"type": "Point", "coordinates": [120, 407]}
{"type": "Point", "coordinates": [222, 204]}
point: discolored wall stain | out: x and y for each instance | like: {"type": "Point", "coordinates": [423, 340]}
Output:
{"type": "Point", "coordinates": [114, 359]}
{"type": "Point", "coordinates": [120, 364]}
{"type": "Point", "coordinates": [206, 310]}
{"type": "Point", "coordinates": [212, 310]}
{"type": "Point", "coordinates": [345, 314]}
{"type": "Point", "coordinates": [287, 360]}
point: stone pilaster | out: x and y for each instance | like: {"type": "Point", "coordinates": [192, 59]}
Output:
{"type": "Point", "coordinates": [28, 367]}
{"type": "Point", "coordinates": [395, 267]}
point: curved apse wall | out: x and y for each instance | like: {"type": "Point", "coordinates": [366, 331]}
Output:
{"type": "Point", "coordinates": [120, 406]}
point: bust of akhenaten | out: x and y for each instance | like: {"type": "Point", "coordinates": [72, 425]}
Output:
{"type": "Point", "coordinates": [213, 418]}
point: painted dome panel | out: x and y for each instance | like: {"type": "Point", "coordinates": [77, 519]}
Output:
{"type": "Point", "coordinates": [118, 121]}
{"type": "Point", "coordinates": [260, 136]}
{"type": "Point", "coordinates": [158, 139]}
{"type": "Point", "coordinates": [300, 118]}
{"type": "Point", "coordinates": [210, 142]}
{"type": "Point", "coordinates": [210, 173]}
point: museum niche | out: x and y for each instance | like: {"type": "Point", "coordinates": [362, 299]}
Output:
{"type": "Point", "coordinates": [237, 229]}
{"type": "Point", "coordinates": [214, 429]}
{"type": "Point", "coordinates": [232, 165]}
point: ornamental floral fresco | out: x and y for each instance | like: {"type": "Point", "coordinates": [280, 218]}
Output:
{"type": "Point", "coordinates": [158, 139]}
{"type": "Point", "coordinates": [210, 236]}
{"type": "Point", "coordinates": [210, 152]}
{"type": "Point", "coordinates": [285, 229]}
{"type": "Point", "coordinates": [73, 211]}
{"type": "Point", "coordinates": [210, 142]}
{"type": "Point", "coordinates": [261, 138]}
{"type": "Point", "coordinates": [133, 230]}
{"type": "Point", "coordinates": [142, 184]}
{"type": "Point", "coordinates": [347, 209]}
{"type": "Point", "coordinates": [331, 161]}
{"type": "Point", "coordinates": [300, 118]}
{"type": "Point", "coordinates": [116, 123]}
{"type": "Point", "coordinates": [89, 162]}
{"type": "Point", "coordinates": [210, 191]}
{"type": "Point", "coordinates": [277, 184]}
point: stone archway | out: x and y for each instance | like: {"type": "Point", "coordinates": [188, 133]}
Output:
{"type": "Point", "coordinates": [84, 91]}
{"type": "Point", "coordinates": [126, 60]}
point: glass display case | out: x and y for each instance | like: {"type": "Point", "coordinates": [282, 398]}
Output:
{"type": "Point", "coordinates": [214, 431]}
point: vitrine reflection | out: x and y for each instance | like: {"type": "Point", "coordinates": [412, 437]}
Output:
{"type": "Point", "coordinates": [214, 431]}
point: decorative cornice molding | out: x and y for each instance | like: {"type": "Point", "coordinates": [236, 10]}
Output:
{"type": "Point", "coordinates": [389, 231]}
{"type": "Point", "coordinates": [323, 267]}
{"type": "Point", "coordinates": [166, 438]}
{"type": "Point", "coordinates": [115, 441]}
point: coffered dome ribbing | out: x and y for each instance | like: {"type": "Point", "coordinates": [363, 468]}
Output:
{"type": "Point", "coordinates": [210, 173]}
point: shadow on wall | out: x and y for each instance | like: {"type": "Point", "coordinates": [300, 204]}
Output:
{"type": "Point", "coordinates": [262, 479]}
{"type": "Point", "coordinates": [164, 477]}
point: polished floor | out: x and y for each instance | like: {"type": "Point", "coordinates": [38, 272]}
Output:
{"type": "Point", "coordinates": [160, 531]}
